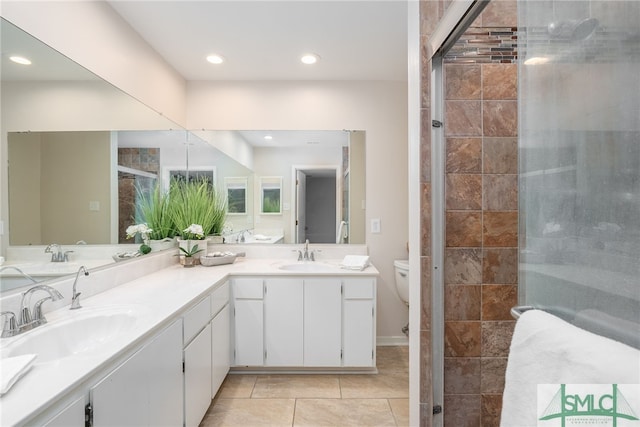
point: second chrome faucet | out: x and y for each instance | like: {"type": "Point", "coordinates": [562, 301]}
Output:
{"type": "Point", "coordinates": [75, 296]}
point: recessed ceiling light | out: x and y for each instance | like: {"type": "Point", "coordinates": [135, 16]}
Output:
{"type": "Point", "coordinates": [309, 58]}
{"type": "Point", "coordinates": [215, 59]}
{"type": "Point", "coordinates": [20, 60]}
{"type": "Point", "coordinates": [268, 137]}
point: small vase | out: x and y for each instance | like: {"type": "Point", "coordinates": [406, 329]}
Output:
{"type": "Point", "coordinates": [189, 262]}
{"type": "Point", "coordinates": [188, 245]}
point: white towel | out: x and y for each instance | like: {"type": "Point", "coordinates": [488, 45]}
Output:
{"type": "Point", "coordinates": [13, 368]}
{"type": "Point", "coordinates": [548, 350]}
{"type": "Point", "coordinates": [355, 262]}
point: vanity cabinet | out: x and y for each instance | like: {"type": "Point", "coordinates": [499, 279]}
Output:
{"type": "Point", "coordinates": [283, 322]}
{"type": "Point", "coordinates": [146, 389]}
{"type": "Point", "coordinates": [359, 326]}
{"type": "Point", "coordinates": [197, 362]}
{"type": "Point", "coordinates": [72, 415]}
{"type": "Point", "coordinates": [248, 321]}
{"type": "Point", "coordinates": [322, 322]}
{"type": "Point", "coordinates": [304, 322]}
{"type": "Point", "coordinates": [220, 337]}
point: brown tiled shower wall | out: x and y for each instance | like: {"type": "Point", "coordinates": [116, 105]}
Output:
{"type": "Point", "coordinates": [481, 213]}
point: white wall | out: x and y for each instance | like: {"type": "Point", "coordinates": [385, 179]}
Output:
{"type": "Point", "coordinates": [379, 108]}
{"type": "Point", "coordinates": [92, 34]}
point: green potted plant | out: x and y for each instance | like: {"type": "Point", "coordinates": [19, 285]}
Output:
{"type": "Point", "coordinates": [152, 208]}
{"type": "Point", "coordinates": [197, 202]}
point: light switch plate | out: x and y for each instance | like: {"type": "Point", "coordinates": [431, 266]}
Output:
{"type": "Point", "coordinates": [375, 225]}
{"type": "Point", "coordinates": [94, 206]}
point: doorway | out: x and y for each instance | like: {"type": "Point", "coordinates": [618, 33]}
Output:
{"type": "Point", "coordinates": [317, 207]}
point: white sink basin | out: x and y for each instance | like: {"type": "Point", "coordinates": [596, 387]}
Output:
{"type": "Point", "coordinates": [310, 267]}
{"type": "Point", "coordinates": [82, 333]}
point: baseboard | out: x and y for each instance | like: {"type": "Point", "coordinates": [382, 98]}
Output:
{"type": "Point", "coordinates": [392, 340]}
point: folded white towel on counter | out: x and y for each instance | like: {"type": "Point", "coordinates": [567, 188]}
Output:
{"type": "Point", "coordinates": [547, 350]}
{"type": "Point", "coordinates": [13, 368]}
{"type": "Point", "coordinates": [355, 262]}
{"type": "Point", "coordinates": [261, 237]}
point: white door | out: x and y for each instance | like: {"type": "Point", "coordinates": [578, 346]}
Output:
{"type": "Point", "coordinates": [71, 416]}
{"type": "Point", "coordinates": [359, 322]}
{"type": "Point", "coordinates": [301, 200]}
{"type": "Point", "coordinates": [146, 390]}
{"type": "Point", "coordinates": [220, 349]}
{"type": "Point", "coordinates": [197, 377]}
{"type": "Point", "coordinates": [322, 322]}
{"type": "Point", "coordinates": [283, 322]}
{"type": "Point", "coordinates": [248, 333]}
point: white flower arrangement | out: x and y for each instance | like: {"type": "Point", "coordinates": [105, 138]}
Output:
{"type": "Point", "coordinates": [193, 232]}
{"type": "Point", "coordinates": [143, 229]}
{"type": "Point", "coordinates": [144, 232]}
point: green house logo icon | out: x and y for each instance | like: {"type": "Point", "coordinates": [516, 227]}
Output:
{"type": "Point", "coordinates": [584, 407]}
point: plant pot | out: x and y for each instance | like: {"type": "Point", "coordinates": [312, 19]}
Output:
{"type": "Point", "coordinates": [189, 244]}
{"type": "Point", "coordinates": [189, 261]}
{"type": "Point", "coordinates": [161, 245]}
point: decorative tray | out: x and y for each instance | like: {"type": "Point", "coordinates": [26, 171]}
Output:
{"type": "Point", "coordinates": [218, 258]}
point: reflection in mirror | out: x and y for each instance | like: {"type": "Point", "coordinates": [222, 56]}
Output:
{"type": "Point", "coordinates": [79, 148]}
{"type": "Point", "coordinates": [58, 130]}
{"type": "Point", "coordinates": [313, 182]}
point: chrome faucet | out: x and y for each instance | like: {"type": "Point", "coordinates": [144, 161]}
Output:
{"type": "Point", "coordinates": [22, 273]}
{"type": "Point", "coordinates": [307, 255]}
{"type": "Point", "coordinates": [241, 236]}
{"type": "Point", "coordinates": [58, 255]}
{"type": "Point", "coordinates": [10, 327]}
{"type": "Point", "coordinates": [26, 321]}
{"type": "Point", "coordinates": [75, 297]}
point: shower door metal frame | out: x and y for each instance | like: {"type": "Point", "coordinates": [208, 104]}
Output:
{"type": "Point", "coordinates": [458, 17]}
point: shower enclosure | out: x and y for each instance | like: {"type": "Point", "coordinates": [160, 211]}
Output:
{"type": "Point", "coordinates": [579, 150]}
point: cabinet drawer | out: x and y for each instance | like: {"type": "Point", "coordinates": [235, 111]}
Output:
{"type": "Point", "coordinates": [219, 298]}
{"type": "Point", "coordinates": [247, 288]}
{"type": "Point", "coordinates": [362, 288]}
{"type": "Point", "coordinates": [196, 318]}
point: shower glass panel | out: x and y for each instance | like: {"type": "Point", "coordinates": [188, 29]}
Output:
{"type": "Point", "coordinates": [579, 149]}
{"type": "Point", "coordinates": [132, 186]}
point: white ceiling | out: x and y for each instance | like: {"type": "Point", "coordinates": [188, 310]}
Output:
{"type": "Point", "coordinates": [263, 40]}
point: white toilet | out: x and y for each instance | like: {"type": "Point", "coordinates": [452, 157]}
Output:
{"type": "Point", "coordinates": [402, 279]}
{"type": "Point", "coordinates": [401, 267]}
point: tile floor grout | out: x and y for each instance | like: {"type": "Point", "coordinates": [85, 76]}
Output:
{"type": "Point", "coordinates": [370, 398]}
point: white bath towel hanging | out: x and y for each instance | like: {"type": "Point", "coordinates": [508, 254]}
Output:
{"type": "Point", "coordinates": [547, 350]}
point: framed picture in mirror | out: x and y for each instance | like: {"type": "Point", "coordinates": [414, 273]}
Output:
{"type": "Point", "coordinates": [236, 191]}
{"type": "Point", "coordinates": [194, 173]}
{"type": "Point", "coordinates": [271, 195]}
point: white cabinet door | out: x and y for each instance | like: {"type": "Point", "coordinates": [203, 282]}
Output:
{"type": "Point", "coordinates": [359, 322]}
{"type": "Point", "coordinates": [146, 390]}
{"type": "Point", "coordinates": [163, 361]}
{"type": "Point", "coordinates": [71, 416]}
{"type": "Point", "coordinates": [220, 349]}
{"type": "Point", "coordinates": [322, 322]}
{"type": "Point", "coordinates": [197, 377]}
{"type": "Point", "coordinates": [248, 334]}
{"type": "Point", "coordinates": [283, 322]}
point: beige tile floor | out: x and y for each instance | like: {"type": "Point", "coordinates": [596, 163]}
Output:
{"type": "Point", "coordinates": [317, 400]}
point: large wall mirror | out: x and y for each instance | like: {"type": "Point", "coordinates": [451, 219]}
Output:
{"type": "Point", "coordinates": [74, 148]}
